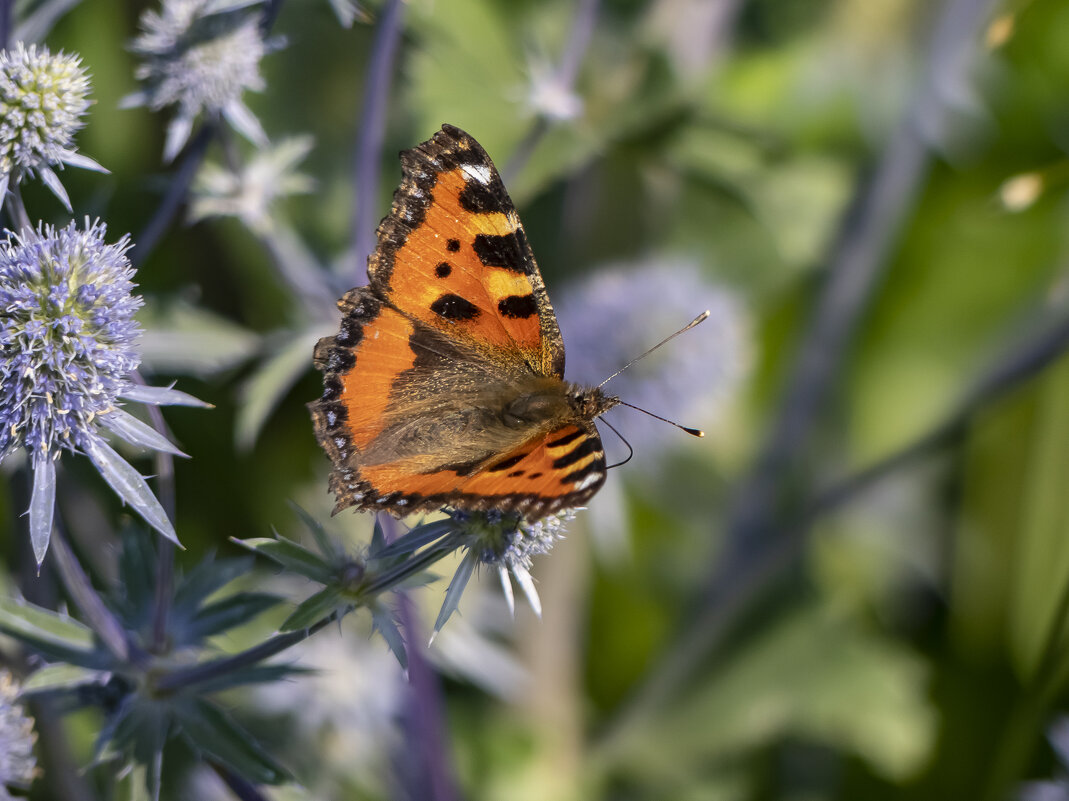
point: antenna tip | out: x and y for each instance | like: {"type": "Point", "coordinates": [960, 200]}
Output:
{"type": "Point", "coordinates": [694, 432]}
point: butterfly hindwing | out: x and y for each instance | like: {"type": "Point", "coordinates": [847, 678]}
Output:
{"type": "Point", "coordinates": [453, 254]}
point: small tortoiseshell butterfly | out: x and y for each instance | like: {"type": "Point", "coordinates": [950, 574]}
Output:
{"type": "Point", "coordinates": [445, 385]}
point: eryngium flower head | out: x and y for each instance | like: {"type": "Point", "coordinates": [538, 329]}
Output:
{"type": "Point", "coordinates": [200, 55]}
{"type": "Point", "coordinates": [67, 336]}
{"type": "Point", "coordinates": [68, 342]}
{"type": "Point", "coordinates": [507, 543]}
{"type": "Point", "coordinates": [17, 763]}
{"type": "Point", "coordinates": [43, 98]}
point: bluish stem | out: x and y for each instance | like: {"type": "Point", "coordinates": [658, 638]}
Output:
{"type": "Point", "coordinates": [424, 720]}
{"type": "Point", "coordinates": [7, 17]}
{"type": "Point", "coordinates": [371, 128]}
{"type": "Point", "coordinates": [172, 201]}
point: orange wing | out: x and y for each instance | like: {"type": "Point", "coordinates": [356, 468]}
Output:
{"type": "Point", "coordinates": [453, 254]}
{"type": "Point", "coordinates": [362, 426]}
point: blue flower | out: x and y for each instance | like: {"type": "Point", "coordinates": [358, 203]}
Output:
{"type": "Point", "coordinates": [505, 543]}
{"type": "Point", "coordinates": [68, 344]}
{"type": "Point", "coordinates": [200, 55]}
{"type": "Point", "coordinates": [43, 98]}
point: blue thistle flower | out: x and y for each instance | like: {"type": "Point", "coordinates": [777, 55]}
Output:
{"type": "Point", "coordinates": [68, 343]}
{"type": "Point", "coordinates": [43, 98]}
{"type": "Point", "coordinates": [506, 543]}
{"type": "Point", "coordinates": [200, 55]}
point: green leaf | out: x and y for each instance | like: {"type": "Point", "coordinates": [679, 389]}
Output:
{"type": "Point", "coordinates": [207, 577]}
{"type": "Point", "coordinates": [256, 674]}
{"type": "Point", "coordinates": [314, 608]}
{"type": "Point", "coordinates": [849, 689]}
{"type": "Point", "coordinates": [228, 613]}
{"type": "Point", "coordinates": [53, 634]}
{"type": "Point", "coordinates": [185, 339]}
{"type": "Point", "coordinates": [323, 540]}
{"type": "Point", "coordinates": [212, 732]}
{"type": "Point", "coordinates": [129, 485]}
{"type": "Point", "coordinates": [1037, 618]}
{"type": "Point", "coordinates": [383, 622]}
{"type": "Point", "coordinates": [415, 539]}
{"type": "Point", "coordinates": [52, 678]}
{"type": "Point", "coordinates": [291, 556]}
{"type": "Point", "coordinates": [268, 384]}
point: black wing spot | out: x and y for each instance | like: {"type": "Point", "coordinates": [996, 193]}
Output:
{"type": "Point", "coordinates": [452, 245]}
{"type": "Point", "coordinates": [443, 270]}
{"type": "Point", "coordinates": [505, 464]}
{"type": "Point", "coordinates": [509, 251]}
{"type": "Point", "coordinates": [535, 475]}
{"type": "Point", "coordinates": [516, 474]}
{"type": "Point", "coordinates": [481, 198]}
{"type": "Point", "coordinates": [597, 466]}
{"type": "Point", "coordinates": [454, 307]}
{"type": "Point", "coordinates": [518, 307]}
{"type": "Point", "coordinates": [577, 454]}
{"type": "Point", "coordinates": [565, 439]}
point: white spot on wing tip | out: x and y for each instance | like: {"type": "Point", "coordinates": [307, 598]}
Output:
{"type": "Point", "coordinates": [591, 479]}
{"type": "Point", "coordinates": [477, 172]}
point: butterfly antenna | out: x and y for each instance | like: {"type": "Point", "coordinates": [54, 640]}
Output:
{"type": "Point", "coordinates": [630, 450]}
{"type": "Point", "coordinates": [664, 341]}
{"type": "Point", "coordinates": [694, 432]}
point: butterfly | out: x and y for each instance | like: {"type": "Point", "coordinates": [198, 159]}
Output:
{"type": "Point", "coordinates": [444, 386]}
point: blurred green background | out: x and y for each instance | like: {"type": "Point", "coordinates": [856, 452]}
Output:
{"type": "Point", "coordinates": [914, 645]}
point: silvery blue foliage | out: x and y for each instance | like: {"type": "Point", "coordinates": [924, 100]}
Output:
{"type": "Point", "coordinates": [68, 344]}
{"type": "Point", "coordinates": [506, 543]}
{"type": "Point", "coordinates": [201, 56]}
{"type": "Point", "coordinates": [43, 98]}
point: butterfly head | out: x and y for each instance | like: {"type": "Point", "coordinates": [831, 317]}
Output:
{"type": "Point", "coordinates": [590, 402]}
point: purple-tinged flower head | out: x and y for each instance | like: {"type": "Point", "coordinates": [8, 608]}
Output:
{"type": "Point", "coordinates": [43, 98]}
{"type": "Point", "coordinates": [506, 543]}
{"type": "Point", "coordinates": [68, 344]}
{"type": "Point", "coordinates": [68, 339]}
{"type": "Point", "coordinates": [619, 312]}
{"type": "Point", "coordinates": [17, 762]}
{"type": "Point", "coordinates": [201, 56]}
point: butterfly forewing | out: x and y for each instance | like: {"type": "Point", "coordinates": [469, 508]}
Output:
{"type": "Point", "coordinates": [453, 254]}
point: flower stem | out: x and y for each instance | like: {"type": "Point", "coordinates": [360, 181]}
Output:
{"type": "Point", "coordinates": [156, 227]}
{"type": "Point", "coordinates": [7, 9]}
